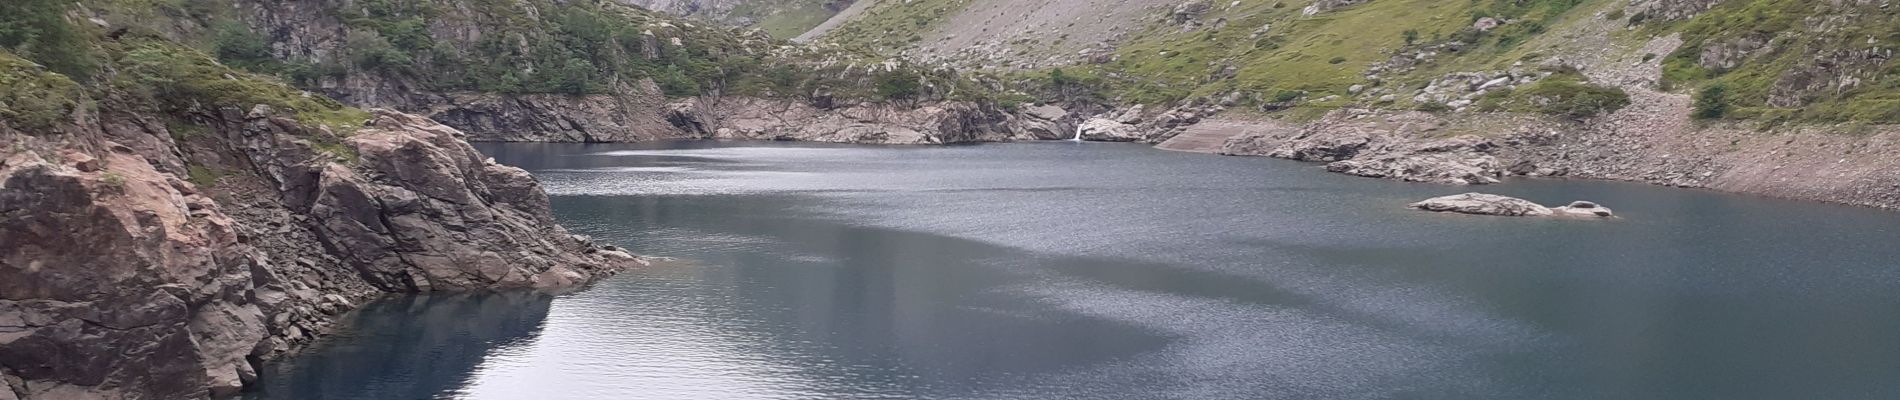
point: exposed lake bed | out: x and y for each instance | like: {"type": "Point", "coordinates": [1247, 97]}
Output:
{"type": "Point", "coordinates": [1043, 270]}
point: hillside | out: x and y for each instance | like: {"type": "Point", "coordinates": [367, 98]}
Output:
{"type": "Point", "coordinates": [783, 19]}
{"type": "Point", "coordinates": [1786, 98]}
{"type": "Point", "coordinates": [1771, 60]}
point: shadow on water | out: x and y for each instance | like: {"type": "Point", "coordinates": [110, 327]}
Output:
{"type": "Point", "coordinates": [407, 347]}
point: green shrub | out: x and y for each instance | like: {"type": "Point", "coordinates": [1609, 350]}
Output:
{"type": "Point", "coordinates": [1711, 102]}
{"type": "Point", "coordinates": [1286, 96]}
{"type": "Point", "coordinates": [675, 83]}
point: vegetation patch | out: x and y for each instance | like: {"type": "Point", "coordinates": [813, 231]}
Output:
{"type": "Point", "coordinates": [1768, 62]}
{"type": "Point", "coordinates": [184, 79]}
{"type": "Point", "coordinates": [1328, 52]}
{"type": "Point", "coordinates": [1564, 95]}
{"type": "Point", "coordinates": [32, 97]}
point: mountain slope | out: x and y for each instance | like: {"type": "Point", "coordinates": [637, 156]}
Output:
{"type": "Point", "coordinates": [1785, 98]}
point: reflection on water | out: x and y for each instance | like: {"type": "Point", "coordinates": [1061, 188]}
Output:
{"type": "Point", "coordinates": [409, 347]}
{"type": "Point", "coordinates": [1063, 270]}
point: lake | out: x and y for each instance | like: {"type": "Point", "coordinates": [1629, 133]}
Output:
{"type": "Point", "coordinates": [1115, 271]}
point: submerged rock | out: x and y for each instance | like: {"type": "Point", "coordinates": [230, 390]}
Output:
{"type": "Point", "coordinates": [1491, 204]}
{"type": "Point", "coordinates": [1583, 209]}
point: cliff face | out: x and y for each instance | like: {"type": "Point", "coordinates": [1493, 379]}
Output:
{"type": "Point", "coordinates": [630, 91]}
{"type": "Point", "coordinates": [320, 33]}
{"type": "Point", "coordinates": [163, 255]}
{"type": "Point", "coordinates": [935, 123]}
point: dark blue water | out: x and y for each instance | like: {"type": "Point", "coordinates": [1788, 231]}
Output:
{"type": "Point", "coordinates": [1065, 270]}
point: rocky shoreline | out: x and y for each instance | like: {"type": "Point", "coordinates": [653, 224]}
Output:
{"type": "Point", "coordinates": [146, 261]}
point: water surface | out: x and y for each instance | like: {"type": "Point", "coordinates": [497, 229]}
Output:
{"type": "Point", "coordinates": [1082, 270]}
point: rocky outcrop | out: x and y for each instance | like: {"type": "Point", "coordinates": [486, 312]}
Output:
{"type": "Point", "coordinates": [1364, 144]}
{"type": "Point", "coordinates": [405, 219]}
{"type": "Point", "coordinates": [1136, 124]}
{"type": "Point", "coordinates": [1322, 6]}
{"type": "Point", "coordinates": [122, 278]}
{"type": "Point", "coordinates": [1669, 10]}
{"type": "Point", "coordinates": [1491, 204]}
{"type": "Point", "coordinates": [1461, 160]}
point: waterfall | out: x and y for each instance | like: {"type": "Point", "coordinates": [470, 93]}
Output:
{"type": "Point", "coordinates": [1078, 135]}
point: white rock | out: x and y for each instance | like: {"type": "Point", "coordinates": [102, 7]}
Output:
{"type": "Point", "coordinates": [1483, 204]}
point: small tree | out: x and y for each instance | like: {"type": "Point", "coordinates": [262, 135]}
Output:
{"type": "Point", "coordinates": [1711, 102]}
{"type": "Point", "coordinates": [1061, 82]}
{"type": "Point", "coordinates": [575, 77]}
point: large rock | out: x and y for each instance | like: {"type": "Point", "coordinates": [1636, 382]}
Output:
{"type": "Point", "coordinates": [1108, 130]}
{"type": "Point", "coordinates": [1491, 204]}
{"type": "Point", "coordinates": [1483, 204]}
{"type": "Point", "coordinates": [1583, 209]}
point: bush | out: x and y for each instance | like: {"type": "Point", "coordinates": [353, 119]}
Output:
{"type": "Point", "coordinates": [897, 85]}
{"type": "Point", "coordinates": [675, 83]}
{"type": "Point", "coordinates": [1058, 78]}
{"type": "Point", "coordinates": [1711, 102]}
{"type": "Point", "coordinates": [235, 45]}
{"type": "Point", "coordinates": [1286, 96]}
{"type": "Point", "coordinates": [369, 50]}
